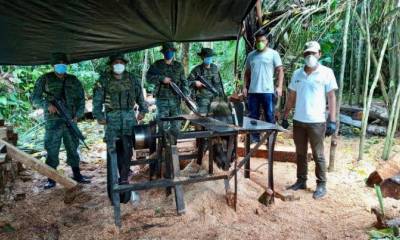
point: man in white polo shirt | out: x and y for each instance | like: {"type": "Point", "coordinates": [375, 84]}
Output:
{"type": "Point", "coordinates": [261, 64]}
{"type": "Point", "coordinates": [309, 88]}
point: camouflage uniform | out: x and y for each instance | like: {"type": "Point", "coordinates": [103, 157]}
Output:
{"type": "Point", "coordinates": [203, 96]}
{"type": "Point", "coordinates": [118, 97]}
{"type": "Point", "coordinates": [167, 102]}
{"type": "Point", "coordinates": [71, 91]}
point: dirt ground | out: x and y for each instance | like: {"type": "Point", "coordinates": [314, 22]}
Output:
{"type": "Point", "coordinates": [343, 214]}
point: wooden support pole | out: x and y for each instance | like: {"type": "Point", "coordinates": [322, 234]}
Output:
{"type": "Point", "coordinates": [247, 151]}
{"type": "Point", "coordinates": [38, 166]}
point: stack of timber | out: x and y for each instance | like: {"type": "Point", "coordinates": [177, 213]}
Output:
{"type": "Point", "coordinates": [8, 168]}
{"type": "Point", "coordinates": [377, 122]}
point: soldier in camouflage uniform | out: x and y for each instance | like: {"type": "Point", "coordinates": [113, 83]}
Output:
{"type": "Point", "coordinates": [114, 96]}
{"type": "Point", "coordinates": [161, 73]}
{"type": "Point", "coordinates": [210, 72]}
{"type": "Point", "coordinates": [60, 85]}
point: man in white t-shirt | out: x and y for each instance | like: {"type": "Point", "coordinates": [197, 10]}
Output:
{"type": "Point", "coordinates": [309, 88]}
{"type": "Point", "coordinates": [261, 64]}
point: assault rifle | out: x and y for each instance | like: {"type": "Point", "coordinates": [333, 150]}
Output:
{"type": "Point", "coordinates": [207, 85]}
{"type": "Point", "coordinates": [189, 102]}
{"type": "Point", "coordinates": [63, 113]}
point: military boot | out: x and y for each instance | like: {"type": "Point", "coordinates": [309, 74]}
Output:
{"type": "Point", "coordinates": [77, 176]}
{"type": "Point", "coordinates": [300, 184]}
{"type": "Point", "coordinates": [49, 184]}
{"type": "Point", "coordinates": [320, 191]}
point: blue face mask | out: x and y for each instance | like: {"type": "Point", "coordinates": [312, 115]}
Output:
{"type": "Point", "coordinates": [207, 60]}
{"type": "Point", "coordinates": [60, 68]}
{"type": "Point", "coordinates": [168, 55]}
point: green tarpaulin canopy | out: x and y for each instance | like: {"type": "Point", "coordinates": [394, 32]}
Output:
{"type": "Point", "coordinates": [31, 30]}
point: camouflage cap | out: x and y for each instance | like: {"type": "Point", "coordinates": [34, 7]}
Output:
{"type": "Point", "coordinates": [166, 46]}
{"type": "Point", "coordinates": [206, 52]}
{"type": "Point", "coordinates": [118, 56]}
{"type": "Point", "coordinates": [59, 57]}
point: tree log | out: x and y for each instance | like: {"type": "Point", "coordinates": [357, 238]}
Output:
{"type": "Point", "coordinates": [386, 170]}
{"type": "Point", "coordinates": [38, 166]}
{"type": "Point", "coordinates": [371, 129]}
{"type": "Point", "coordinates": [376, 112]}
{"type": "Point", "coordinates": [391, 187]}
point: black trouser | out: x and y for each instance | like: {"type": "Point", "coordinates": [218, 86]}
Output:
{"type": "Point", "coordinates": [124, 150]}
{"type": "Point", "coordinates": [315, 134]}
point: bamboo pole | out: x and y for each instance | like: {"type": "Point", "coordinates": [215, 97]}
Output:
{"type": "Point", "coordinates": [367, 70]}
{"type": "Point", "coordinates": [38, 166]}
{"type": "Point", "coordinates": [360, 47]}
{"type": "Point", "coordinates": [372, 89]}
{"type": "Point", "coordinates": [395, 108]}
{"type": "Point", "coordinates": [340, 94]}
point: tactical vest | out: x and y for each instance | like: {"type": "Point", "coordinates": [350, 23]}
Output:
{"type": "Point", "coordinates": [60, 89]}
{"type": "Point", "coordinates": [173, 71]}
{"type": "Point", "coordinates": [119, 94]}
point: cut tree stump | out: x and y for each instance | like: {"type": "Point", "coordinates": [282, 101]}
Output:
{"type": "Point", "coordinates": [38, 166]}
{"type": "Point", "coordinates": [385, 170]}
{"type": "Point", "coordinates": [8, 169]}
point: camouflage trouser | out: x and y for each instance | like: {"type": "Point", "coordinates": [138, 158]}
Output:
{"type": "Point", "coordinates": [203, 104]}
{"type": "Point", "coordinates": [55, 132]}
{"type": "Point", "coordinates": [169, 108]}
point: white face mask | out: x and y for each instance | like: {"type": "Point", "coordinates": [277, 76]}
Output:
{"type": "Point", "coordinates": [119, 68]}
{"type": "Point", "coordinates": [311, 61]}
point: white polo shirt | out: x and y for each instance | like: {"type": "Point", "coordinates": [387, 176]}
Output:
{"type": "Point", "coordinates": [311, 91]}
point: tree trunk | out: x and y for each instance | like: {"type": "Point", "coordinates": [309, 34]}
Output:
{"type": "Point", "coordinates": [185, 56]}
{"type": "Point", "coordinates": [144, 67]}
{"type": "Point", "coordinates": [340, 94]}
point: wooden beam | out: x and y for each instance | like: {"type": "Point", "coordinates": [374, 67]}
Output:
{"type": "Point", "coordinates": [281, 154]}
{"type": "Point", "coordinates": [38, 166]}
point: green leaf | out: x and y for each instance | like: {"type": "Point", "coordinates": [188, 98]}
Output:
{"type": "Point", "coordinates": [386, 233]}
{"type": "Point", "coordinates": [3, 100]}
